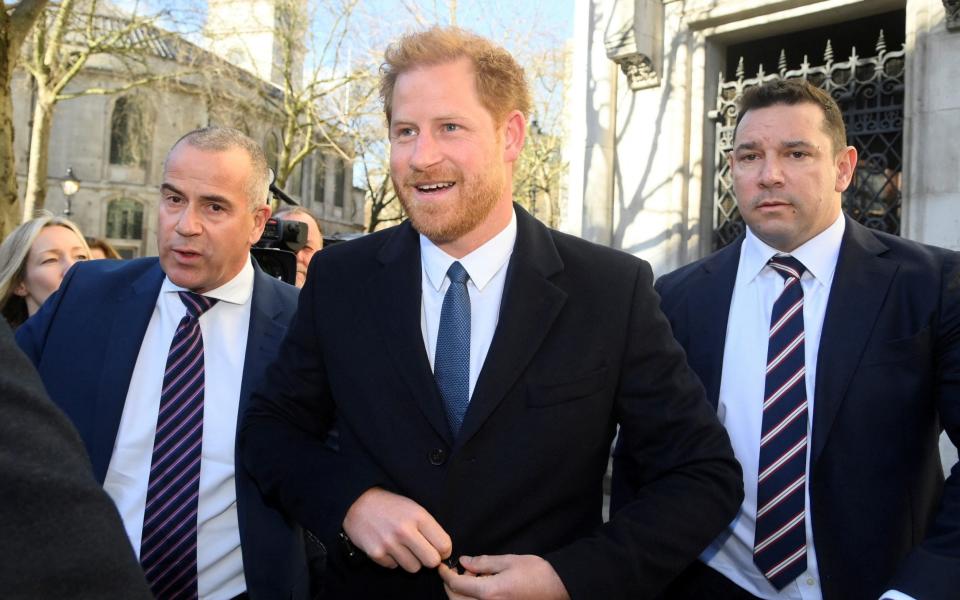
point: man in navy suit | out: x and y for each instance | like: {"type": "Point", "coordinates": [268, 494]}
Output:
{"type": "Point", "coordinates": [154, 360]}
{"type": "Point", "coordinates": [865, 383]}
{"type": "Point", "coordinates": [452, 385]}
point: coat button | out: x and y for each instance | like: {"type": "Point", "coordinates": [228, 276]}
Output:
{"type": "Point", "coordinates": [437, 457]}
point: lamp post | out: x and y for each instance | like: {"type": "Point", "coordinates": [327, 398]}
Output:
{"type": "Point", "coordinates": [70, 186]}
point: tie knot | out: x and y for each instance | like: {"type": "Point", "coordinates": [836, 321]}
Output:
{"type": "Point", "coordinates": [196, 304]}
{"type": "Point", "coordinates": [457, 273]}
{"type": "Point", "coordinates": [787, 266]}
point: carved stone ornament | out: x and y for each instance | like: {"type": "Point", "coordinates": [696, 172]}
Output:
{"type": "Point", "coordinates": [634, 38]}
{"type": "Point", "coordinates": [640, 72]}
{"type": "Point", "coordinates": [952, 8]}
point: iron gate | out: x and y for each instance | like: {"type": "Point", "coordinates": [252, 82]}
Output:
{"type": "Point", "coordinates": [869, 92]}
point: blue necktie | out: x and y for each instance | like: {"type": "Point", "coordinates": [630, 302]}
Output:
{"type": "Point", "coordinates": [168, 548]}
{"type": "Point", "coordinates": [451, 364]}
{"type": "Point", "coordinates": [780, 544]}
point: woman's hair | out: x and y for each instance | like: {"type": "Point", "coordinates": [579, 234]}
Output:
{"type": "Point", "coordinates": [13, 262]}
{"type": "Point", "coordinates": [104, 246]}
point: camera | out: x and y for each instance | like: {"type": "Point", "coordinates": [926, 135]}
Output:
{"type": "Point", "coordinates": [276, 250]}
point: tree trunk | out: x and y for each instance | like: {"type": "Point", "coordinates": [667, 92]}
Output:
{"type": "Point", "coordinates": [36, 194]}
{"type": "Point", "coordinates": [9, 203]}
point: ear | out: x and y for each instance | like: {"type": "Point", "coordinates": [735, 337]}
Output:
{"type": "Point", "coordinates": [515, 131]}
{"type": "Point", "coordinates": [260, 216]}
{"type": "Point", "coordinates": [20, 290]}
{"type": "Point", "coordinates": [846, 165]}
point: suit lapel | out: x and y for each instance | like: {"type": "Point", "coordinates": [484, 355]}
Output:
{"type": "Point", "coordinates": [129, 314]}
{"type": "Point", "coordinates": [530, 304]}
{"type": "Point", "coordinates": [860, 285]}
{"type": "Point", "coordinates": [394, 296]}
{"type": "Point", "coordinates": [708, 310]}
{"type": "Point", "coordinates": [263, 335]}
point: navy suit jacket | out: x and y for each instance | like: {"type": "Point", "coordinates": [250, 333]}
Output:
{"type": "Point", "coordinates": [85, 341]}
{"type": "Point", "coordinates": [579, 347]}
{"type": "Point", "coordinates": [888, 380]}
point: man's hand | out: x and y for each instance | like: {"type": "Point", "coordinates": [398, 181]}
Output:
{"type": "Point", "coordinates": [396, 531]}
{"type": "Point", "coordinates": [504, 577]}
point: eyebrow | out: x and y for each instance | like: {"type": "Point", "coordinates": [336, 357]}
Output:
{"type": "Point", "coordinates": [208, 197]}
{"type": "Point", "coordinates": [787, 144]}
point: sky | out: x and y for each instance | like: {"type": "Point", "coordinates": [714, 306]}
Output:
{"type": "Point", "coordinates": [531, 20]}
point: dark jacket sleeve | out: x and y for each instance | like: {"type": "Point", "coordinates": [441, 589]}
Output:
{"type": "Point", "coordinates": [932, 569]}
{"type": "Point", "coordinates": [62, 536]}
{"type": "Point", "coordinates": [288, 435]}
{"type": "Point", "coordinates": [684, 484]}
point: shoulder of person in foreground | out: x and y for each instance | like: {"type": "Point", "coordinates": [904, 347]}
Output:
{"type": "Point", "coordinates": [62, 535]}
{"type": "Point", "coordinates": [82, 290]}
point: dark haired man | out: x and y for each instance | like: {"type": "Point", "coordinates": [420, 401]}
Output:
{"type": "Point", "coordinates": [832, 355]}
{"type": "Point", "coordinates": [154, 359]}
{"type": "Point", "coordinates": [451, 386]}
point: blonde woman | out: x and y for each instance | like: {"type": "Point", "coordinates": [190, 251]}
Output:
{"type": "Point", "coordinates": [33, 261]}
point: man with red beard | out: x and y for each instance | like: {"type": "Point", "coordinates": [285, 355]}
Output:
{"type": "Point", "coordinates": [444, 404]}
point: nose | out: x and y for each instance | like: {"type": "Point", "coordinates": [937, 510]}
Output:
{"type": "Point", "coordinates": [188, 224]}
{"type": "Point", "coordinates": [771, 175]}
{"type": "Point", "coordinates": [425, 152]}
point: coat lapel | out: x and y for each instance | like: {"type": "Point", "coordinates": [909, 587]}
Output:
{"type": "Point", "coordinates": [530, 304]}
{"type": "Point", "coordinates": [129, 314]}
{"type": "Point", "coordinates": [860, 285]}
{"type": "Point", "coordinates": [394, 294]}
{"type": "Point", "coordinates": [708, 311]}
{"type": "Point", "coordinates": [263, 335]}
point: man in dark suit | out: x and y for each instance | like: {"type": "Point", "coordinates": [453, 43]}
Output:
{"type": "Point", "coordinates": [62, 537]}
{"type": "Point", "coordinates": [876, 354]}
{"type": "Point", "coordinates": [154, 361]}
{"type": "Point", "coordinates": [451, 386]}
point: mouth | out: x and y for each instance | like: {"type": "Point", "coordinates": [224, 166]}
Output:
{"type": "Point", "coordinates": [185, 254]}
{"type": "Point", "coordinates": [434, 188]}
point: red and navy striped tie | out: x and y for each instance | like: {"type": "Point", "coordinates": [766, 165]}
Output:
{"type": "Point", "coordinates": [168, 548]}
{"type": "Point", "coordinates": [780, 545]}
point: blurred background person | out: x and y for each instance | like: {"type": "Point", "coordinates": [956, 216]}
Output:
{"type": "Point", "coordinates": [314, 238]}
{"type": "Point", "coordinates": [33, 260]}
{"type": "Point", "coordinates": [101, 248]}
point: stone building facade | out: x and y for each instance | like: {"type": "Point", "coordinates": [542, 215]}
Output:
{"type": "Point", "coordinates": [648, 124]}
{"type": "Point", "coordinates": [116, 144]}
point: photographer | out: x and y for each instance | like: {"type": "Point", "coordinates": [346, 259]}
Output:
{"type": "Point", "coordinates": [314, 238]}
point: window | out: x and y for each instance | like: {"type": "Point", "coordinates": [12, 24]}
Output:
{"type": "Point", "coordinates": [340, 178]}
{"type": "Point", "coordinates": [125, 219]}
{"type": "Point", "coordinates": [129, 132]}
{"type": "Point", "coordinates": [319, 179]}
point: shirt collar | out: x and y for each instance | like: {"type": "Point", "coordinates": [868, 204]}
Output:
{"type": "Point", "coordinates": [481, 264]}
{"type": "Point", "coordinates": [818, 254]}
{"type": "Point", "coordinates": [236, 291]}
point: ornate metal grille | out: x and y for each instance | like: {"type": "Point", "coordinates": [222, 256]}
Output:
{"type": "Point", "coordinates": [869, 91]}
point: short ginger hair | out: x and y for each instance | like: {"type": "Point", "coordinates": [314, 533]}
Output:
{"type": "Point", "coordinates": [500, 80]}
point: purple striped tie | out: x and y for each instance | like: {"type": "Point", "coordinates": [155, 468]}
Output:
{"type": "Point", "coordinates": [780, 545]}
{"type": "Point", "coordinates": [168, 548]}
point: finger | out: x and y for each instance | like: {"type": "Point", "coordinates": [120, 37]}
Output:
{"type": "Point", "coordinates": [421, 549]}
{"type": "Point", "coordinates": [407, 560]}
{"type": "Point", "coordinates": [487, 565]}
{"type": "Point", "coordinates": [384, 560]}
{"type": "Point", "coordinates": [465, 586]}
{"type": "Point", "coordinates": [436, 536]}
{"type": "Point", "coordinates": [452, 595]}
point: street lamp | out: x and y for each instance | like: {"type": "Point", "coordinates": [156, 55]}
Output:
{"type": "Point", "coordinates": [70, 186]}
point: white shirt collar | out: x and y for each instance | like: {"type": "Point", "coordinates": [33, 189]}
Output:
{"type": "Point", "coordinates": [481, 264]}
{"type": "Point", "coordinates": [818, 254]}
{"type": "Point", "coordinates": [236, 291]}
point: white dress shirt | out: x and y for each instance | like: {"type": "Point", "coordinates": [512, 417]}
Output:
{"type": "Point", "coordinates": [487, 268]}
{"type": "Point", "coordinates": [224, 329]}
{"type": "Point", "coordinates": [742, 390]}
